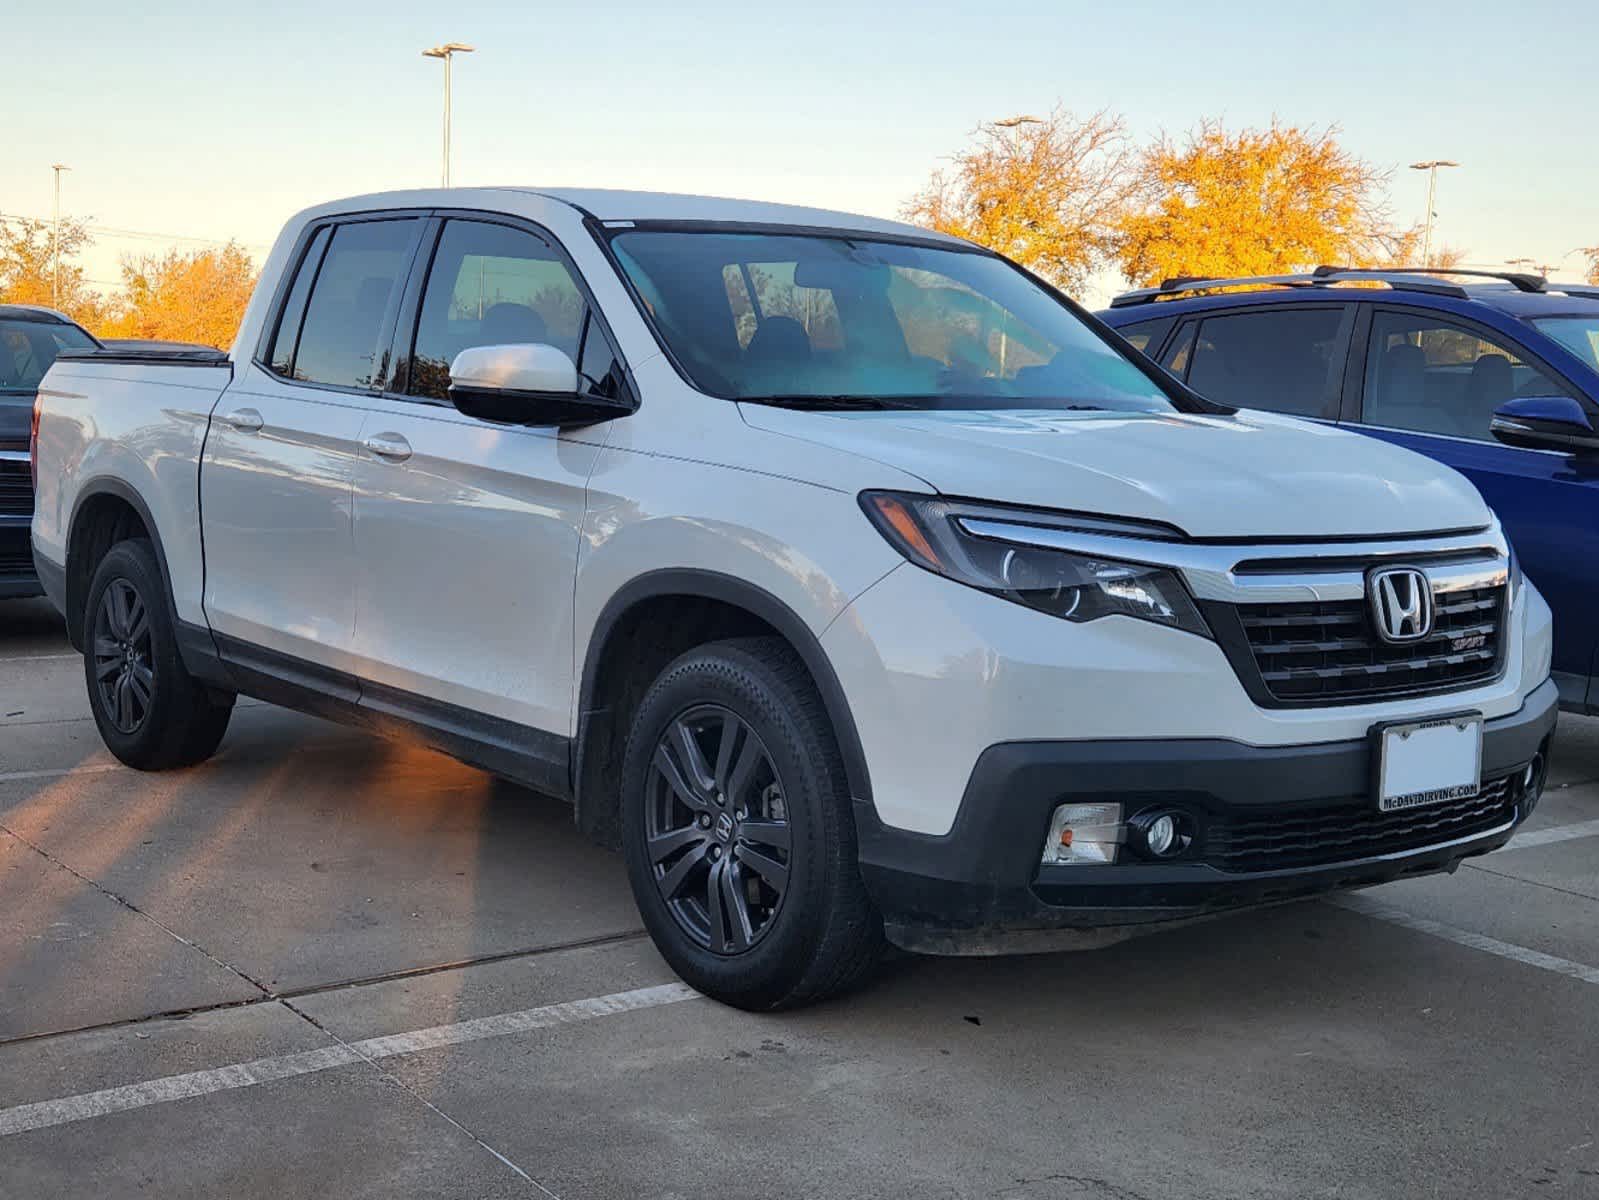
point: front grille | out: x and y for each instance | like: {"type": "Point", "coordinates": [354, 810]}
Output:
{"type": "Point", "coordinates": [1328, 651]}
{"type": "Point", "coordinates": [1353, 830]}
{"type": "Point", "coordinates": [16, 490]}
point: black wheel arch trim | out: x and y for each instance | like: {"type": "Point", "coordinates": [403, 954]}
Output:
{"type": "Point", "coordinates": [728, 589]}
{"type": "Point", "coordinates": [111, 485]}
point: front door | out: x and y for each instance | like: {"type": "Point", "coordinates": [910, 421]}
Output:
{"type": "Point", "coordinates": [466, 532]}
{"type": "Point", "coordinates": [1431, 385]}
{"type": "Point", "coordinates": [280, 455]}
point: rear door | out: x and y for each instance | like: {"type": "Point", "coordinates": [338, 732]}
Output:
{"type": "Point", "coordinates": [466, 531]}
{"type": "Point", "coordinates": [280, 456]}
{"type": "Point", "coordinates": [1282, 358]}
{"type": "Point", "coordinates": [1430, 382]}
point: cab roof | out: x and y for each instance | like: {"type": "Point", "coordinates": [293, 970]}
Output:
{"type": "Point", "coordinates": [609, 205]}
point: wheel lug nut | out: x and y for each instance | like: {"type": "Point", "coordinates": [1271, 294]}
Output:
{"type": "Point", "coordinates": [705, 820]}
{"type": "Point", "coordinates": [716, 852]}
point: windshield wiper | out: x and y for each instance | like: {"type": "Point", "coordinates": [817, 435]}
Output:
{"type": "Point", "coordinates": [823, 403]}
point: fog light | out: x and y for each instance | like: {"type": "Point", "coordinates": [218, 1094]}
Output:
{"type": "Point", "coordinates": [1156, 834]}
{"type": "Point", "coordinates": [1084, 834]}
{"type": "Point", "coordinates": [1161, 835]}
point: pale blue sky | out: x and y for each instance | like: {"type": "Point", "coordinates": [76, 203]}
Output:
{"type": "Point", "coordinates": [219, 119]}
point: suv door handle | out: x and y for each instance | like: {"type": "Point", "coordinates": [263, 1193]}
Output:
{"type": "Point", "coordinates": [245, 420]}
{"type": "Point", "coordinates": [390, 446]}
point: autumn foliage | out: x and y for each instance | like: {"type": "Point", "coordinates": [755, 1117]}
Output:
{"type": "Point", "coordinates": [1255, 202]}
{"type": "Point", "coordinates": [1067, 197]}
{"type": "Point", "coordinates": [181, 296]}
{"type": "Point", "coordinates": [1047, 193]}
{"type": "Point", "coordinates": [195, 296]}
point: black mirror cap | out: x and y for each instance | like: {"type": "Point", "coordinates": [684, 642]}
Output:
{"type": "Point", "coordinates": [1545, 423]}
{"type": "Point", "coordinates": [505, 406]}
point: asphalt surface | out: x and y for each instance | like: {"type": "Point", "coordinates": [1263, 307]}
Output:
{"type": "Point", "coordinates": [326, 965]}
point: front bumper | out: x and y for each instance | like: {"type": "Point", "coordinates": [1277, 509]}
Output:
{"type": "Point", "coordinates": [17, 575]}
{"type": "Point", "coordinates": [980, 889]}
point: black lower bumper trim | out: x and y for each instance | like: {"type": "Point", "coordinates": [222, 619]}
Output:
{"type": "Point", "coordinates": [970, 889]}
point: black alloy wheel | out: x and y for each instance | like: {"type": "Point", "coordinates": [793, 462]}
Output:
{"type": "Point", "coordinates": [124, 661]}
{"type": "Point", "coordinates": [716, 829]}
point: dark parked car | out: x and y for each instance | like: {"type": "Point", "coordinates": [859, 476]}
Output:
{"type": "Point", "coordinates": [30, 339]}
{"type": "Point", "coordinates": [1495, 374]}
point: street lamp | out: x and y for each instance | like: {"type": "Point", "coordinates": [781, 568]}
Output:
{"type": "Point", "coordinates": [1431, 167]}
{"type": "Point", "coordinates": [447, 52]}
{"type": "Point", "coordinates": [55, 240]}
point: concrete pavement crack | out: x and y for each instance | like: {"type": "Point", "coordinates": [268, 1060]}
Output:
{"type": "Point", "coordinates": [393, 1079]}
{"type": "Point", "coordinates": [265, 991]}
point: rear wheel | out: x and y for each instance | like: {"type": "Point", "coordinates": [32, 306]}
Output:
{"type": "Point", "coordinates": [738, 830]}
{"type": "Point", "coordinates": [152, 714]}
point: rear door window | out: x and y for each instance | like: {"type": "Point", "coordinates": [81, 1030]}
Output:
{"type": "Point", "coordinates": [1429, 375]}
{"type": "Point", "coordinates": [352, 304]}
{"type": "Point", "coordinates": [1282, 360]}
{"type": "Point", "coordinates": [1146, 335]}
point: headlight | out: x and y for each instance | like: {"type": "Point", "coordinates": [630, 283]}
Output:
{"type": "Point", "coordinates": [1078, 587]}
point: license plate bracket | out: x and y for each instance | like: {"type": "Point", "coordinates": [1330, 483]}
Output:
{"type": "Point", "coordinates": [1419, 763]}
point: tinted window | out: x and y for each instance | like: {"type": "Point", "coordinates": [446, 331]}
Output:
{"type": "Point", "coordinates": [353, 295]}
{"type": "Point", "coordinates": [492, 285]}
{"type": "Point", "coordinates": [1146, 335]}
{"type": "Point", "coordinates": [283, 343]}
{"type": "Point", "coordinates": [1580, 335]}
{"type": "Point", "coordinates": [834, 320]}
{"type": "Point", "coordinates": [1280, 360]}
{"type": "Point", "coordinates": [1433, 376]}
{"type": "Point", "coordinates": [27, 348]}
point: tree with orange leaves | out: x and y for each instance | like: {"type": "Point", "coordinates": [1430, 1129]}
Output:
{"type": "Point", "coordinates": [1047, 193]}
{"type": "Point", "coordinates": [184, 296]}
{"type": "Point", "coordinates": [1255, 202]}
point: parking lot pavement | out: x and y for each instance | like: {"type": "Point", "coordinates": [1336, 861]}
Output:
{"type": "Point", "coordinates": [327, 965]}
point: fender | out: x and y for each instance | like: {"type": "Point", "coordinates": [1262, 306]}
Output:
{"type": "Point", "coordinates": [195, 644]}
{"type": "Point", "coordinates": [728, 589]}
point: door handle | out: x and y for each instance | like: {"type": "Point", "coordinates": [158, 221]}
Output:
{"type": "Point", "coordinates": [390, 446]}
{"type": "Point", "coordinates": [245, 420]}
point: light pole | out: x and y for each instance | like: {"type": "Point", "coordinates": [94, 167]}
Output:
{"type": "Point", "coordinates": [447, 52]}
{"type": "Point", "coordinates": [55, 240]}
{"type": "Point", "coordinates": [1431, 167]}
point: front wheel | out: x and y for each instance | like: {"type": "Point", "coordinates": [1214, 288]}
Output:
{"type": "Point", "coordinates": [152, 714]}
{"type": "Point", "coordinates": [738, 830]}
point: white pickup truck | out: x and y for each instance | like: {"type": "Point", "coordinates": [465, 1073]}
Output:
{"type": "Point", "coordinates": [855, 581]}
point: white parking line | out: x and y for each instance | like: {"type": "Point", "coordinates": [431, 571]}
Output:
{"type": "Point", "coordinates": [89, 1105]}
{"type": "Point", "coordinates": [1461, 937]}
{"type": "Point", "coordinates": [1547, 837]}
{"type": "Point", "coordinates": [39, 658]}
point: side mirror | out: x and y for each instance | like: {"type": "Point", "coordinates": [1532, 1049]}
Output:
{"type": "Point", "coordinates": [526, 384]}
{"type": "Point", "coordinates": [1545, 423]}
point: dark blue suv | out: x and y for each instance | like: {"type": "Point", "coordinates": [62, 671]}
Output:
{"type": "Point", "coordinates": [1495, 374]}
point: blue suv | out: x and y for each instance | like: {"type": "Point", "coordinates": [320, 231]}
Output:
{"type": "Point", "coordinates": [1495, 374]}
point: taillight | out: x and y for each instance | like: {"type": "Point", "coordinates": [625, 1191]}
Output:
{"type": "Point", "coordinates": [33, 441]}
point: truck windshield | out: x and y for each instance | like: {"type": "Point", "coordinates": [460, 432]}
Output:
{"type": "Point", "coordinates": [1580, 335]}
{"type": "Point", "coordinates": [846, 321]}
{"type": "Point", "coordinates": [27, 348]}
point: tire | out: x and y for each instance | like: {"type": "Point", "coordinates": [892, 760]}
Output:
{"type": "Point", "coordinates": [784, 817]}
{"type": "Point", "coordinates": [152, 714]}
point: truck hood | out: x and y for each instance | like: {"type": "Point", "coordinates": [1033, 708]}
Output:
{"type": "Point", "coordinates": [1249, 475]}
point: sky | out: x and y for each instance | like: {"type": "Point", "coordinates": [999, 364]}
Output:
{"type": "Point", "coordinates": [218, 120]}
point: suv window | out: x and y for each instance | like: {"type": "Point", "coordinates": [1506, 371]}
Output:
{"type": "Point", "coordinates": [494, 285]}
{"type": "Point", "coordinates": [27, 348]}
{"type": "Point", "coordinates": [1147, 335]}
{"type": "Point", "coordinates": [1283, 360]}
{"type": "Point", "coordinates": [1433, 376]}
{"type": "Point", "coordinates": [351, 302]}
